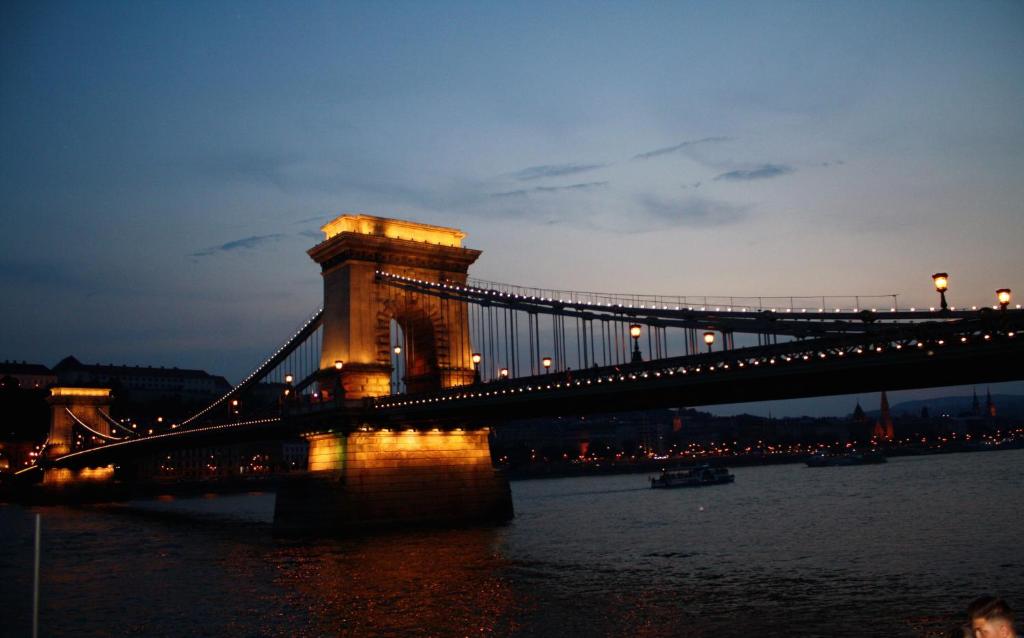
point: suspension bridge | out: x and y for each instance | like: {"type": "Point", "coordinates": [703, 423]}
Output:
{"type": "Point", "coordinates": [397, 378]}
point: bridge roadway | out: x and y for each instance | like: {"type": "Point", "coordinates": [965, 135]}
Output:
{"type": "Point", "coordinates": [988, 348]}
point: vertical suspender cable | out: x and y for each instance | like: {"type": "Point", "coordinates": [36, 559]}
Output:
{"type": "Point", "coordinates": [529, 328]}
{"type": "Point", "coordinates": [508, 340]}
{"type": "Point", "coordinates": [581, 358]}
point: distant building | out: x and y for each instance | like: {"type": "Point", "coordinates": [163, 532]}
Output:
{"type": "Point", "coordinates": [143, 382]}
{"type": "Point", "coordinates": [858, 414]}
{"type": "Point", "coordinates": [27, 375]}
{"type": "Point", "coordinates": [883, 426]}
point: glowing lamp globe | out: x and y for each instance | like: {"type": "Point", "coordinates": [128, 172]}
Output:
{"type": "Point", "coordinates": [1003, 296]}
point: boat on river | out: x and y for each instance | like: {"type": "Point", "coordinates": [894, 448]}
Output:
{"type": "Point", "coordinates": [699, 476]}
{"type": "Point", "coordinates": [821, 459]}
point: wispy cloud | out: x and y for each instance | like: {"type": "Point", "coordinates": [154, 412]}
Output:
{"type": "Point", "coordinates": [765, 171]}
{"type": "Point", "coordinates": [310, 220]}
{"type": "Point", "coordinates": [551, 189]}
{"type": "Point", "coordinates": [239, 244]}
{"type": "Point", "coordinates": [694, 211]}
{"type": "Point", "coordinates": [48, 274]}
{"type": "Point", "coordinates": [682, 145]}
{"type": "Point", "coordinates": [554, 170]}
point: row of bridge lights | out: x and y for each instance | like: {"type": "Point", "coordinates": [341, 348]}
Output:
{"type": "Point", "coordinates": [251, 374]}
{"type": "Point", "coordinates": [806, 357]}
{"type": "Point", "coordinates": [941, 281]}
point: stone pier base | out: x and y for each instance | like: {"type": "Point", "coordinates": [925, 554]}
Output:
{"type": "Point", "coordinates": [88, 475]}
{"type": "Point", "coordinates": [366, 480]}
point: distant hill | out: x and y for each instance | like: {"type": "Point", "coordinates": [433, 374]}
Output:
{"type": "Point", "coordinates": [1007, 405]}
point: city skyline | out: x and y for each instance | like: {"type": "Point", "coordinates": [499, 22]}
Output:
{"type": "Point", "coordinates": [167, 167]}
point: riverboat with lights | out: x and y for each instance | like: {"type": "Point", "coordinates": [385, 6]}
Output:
{"type": "Point", "coordinates": [699, 476]}
{"type": "Point", "coordinates": [821, 459]}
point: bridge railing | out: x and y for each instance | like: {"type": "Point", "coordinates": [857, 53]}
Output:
{"type": "Point", "coordinates": [717, 303]}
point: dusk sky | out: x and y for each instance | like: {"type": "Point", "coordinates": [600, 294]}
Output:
{"type": "Point", "coordinates": [165, 165]}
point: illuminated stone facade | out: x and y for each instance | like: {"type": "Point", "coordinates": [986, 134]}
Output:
{"type": "Point", "coordinates": [358, 310]}
{"type": "Point", "coordinates": [67, 403]}
{"type": "Point", "coordinates": [372, 479]}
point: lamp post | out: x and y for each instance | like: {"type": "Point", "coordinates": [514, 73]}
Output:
{"type": "Point", "coordinates": [234, 408]}
{"type": "Point", "coordinates": [546, 362]}
{"type": "Point", "coordinates": [398, 368]}
{"type": "Point", "coordinates": [1003, 296]}
{"type": "Point", "coordinates": [476, 367]}
{"type": "Point", "coordinates": [339, 389]}
{"type": "Point", "coordinates": [634, 331]}
{"type": "Point", "coordinates": [941, 281]}
{"type": "Point", "coordinates": [286, 395]}
{"type": "Point", "coordinates": [503, 373]}
{"type": "Point", "coordinates": [709, 339]}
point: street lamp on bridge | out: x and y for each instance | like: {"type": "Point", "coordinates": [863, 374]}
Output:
{"type": "Point", "coordinates": [546, 362]}
{"type": "Point", "coordinates": [397, 365]}
{"type": "Point", "coordinates": [287, 394]}
{"type": "Point", "coordinates": [476, 358]}
{"type": "Point", "coordinates": [634, 331]}
{"type": "Point", "coordinates": [941, 280]}
{"type": "Point", "coordinates": [709, 339]}
{"type": "Point", "coordinates": [339, 388]}
{"type": "Point", "coordinates": [1003, 296]}
{"type": "Point", "coordinates": [503, 373]}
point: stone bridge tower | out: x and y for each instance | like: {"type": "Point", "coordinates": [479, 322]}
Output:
{"type": "Point", "coordinates": [67, 407]}
{"type": "Point", "coordinates": [379, 475]}
{"type": "Point", "coordinates": [358, 311]}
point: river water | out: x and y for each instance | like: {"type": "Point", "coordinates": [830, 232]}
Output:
{"type": "Point", "coordinates": [897, 549]}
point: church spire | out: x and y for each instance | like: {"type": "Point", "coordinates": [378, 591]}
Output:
{"type": "Point", "coordinates": [884, 427]}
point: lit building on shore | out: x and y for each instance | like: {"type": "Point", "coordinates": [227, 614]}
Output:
{"type": "Point", "coordinates": [143, 382]}
{"type": "Point", "coordinates": [27, 376]}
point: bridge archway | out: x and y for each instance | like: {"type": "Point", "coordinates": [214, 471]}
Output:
{"type": "Point", "coordinates": [419, 364]}
{"type": "Point", "coordinates": [358, 310]}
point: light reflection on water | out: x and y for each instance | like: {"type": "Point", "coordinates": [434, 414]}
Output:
{"type": "Point", "coordinates": [893, 549]}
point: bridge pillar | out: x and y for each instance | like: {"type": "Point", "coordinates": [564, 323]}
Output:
{"type": "Point", "coordinates": [65, 404]}
{"type": "Point", "coordinates": [369, 479]}
{"type": "Point", "coordinates": [358, 310]}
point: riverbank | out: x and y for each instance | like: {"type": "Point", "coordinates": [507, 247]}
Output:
{"type": "Point", "coordinates": [603, 467]}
